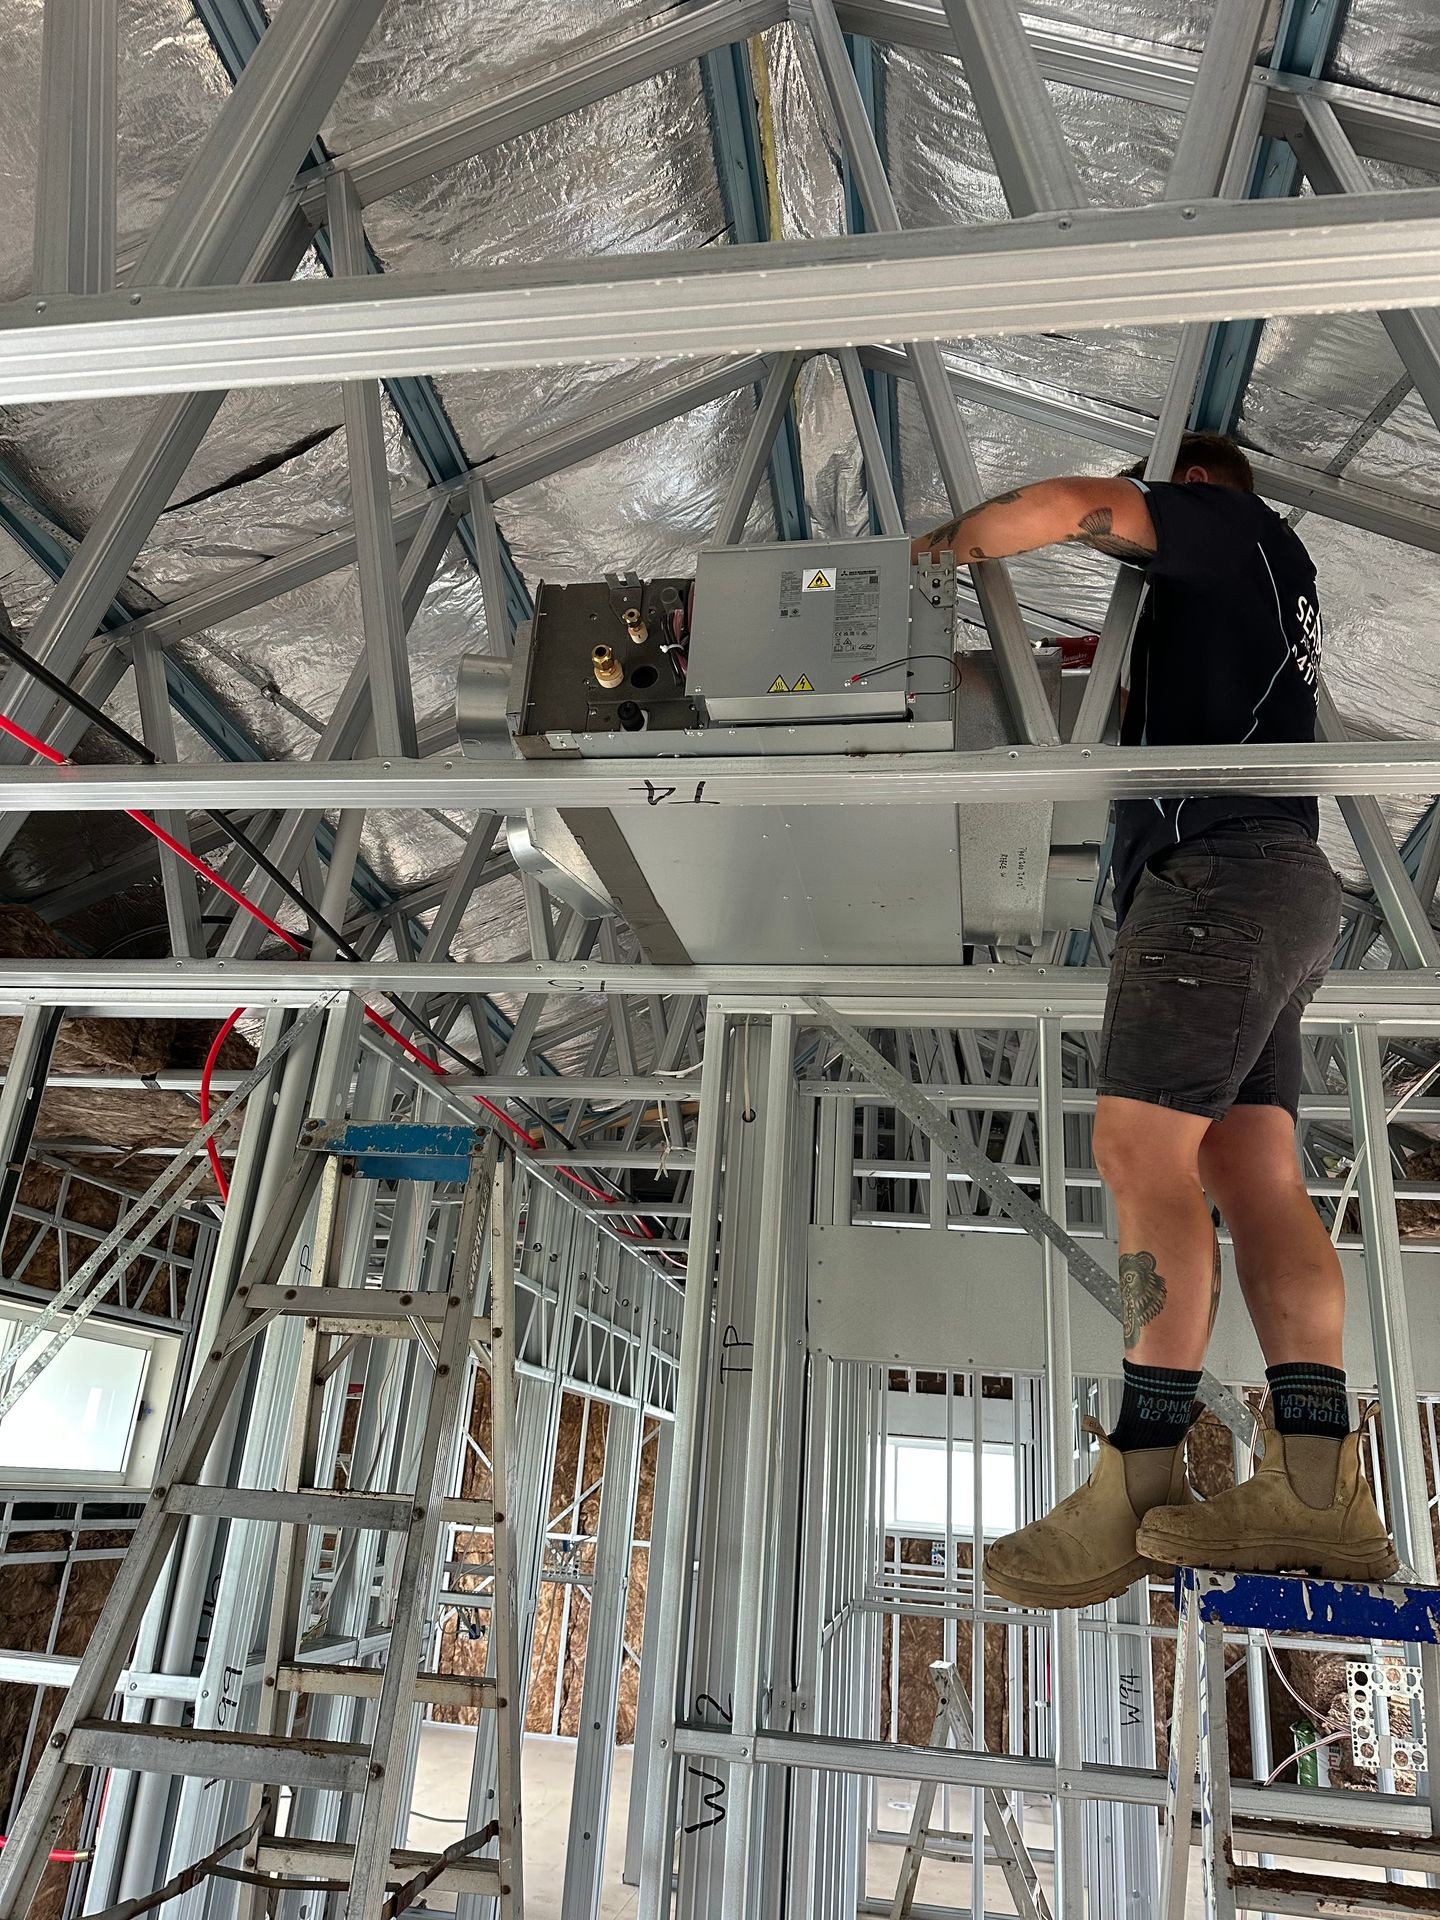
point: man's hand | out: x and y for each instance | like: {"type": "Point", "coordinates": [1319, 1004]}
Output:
{"type": "Point", "coordinates": [1109, 515]}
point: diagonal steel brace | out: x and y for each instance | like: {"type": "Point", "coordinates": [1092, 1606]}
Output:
{"type": "Point", "coordinates": [1012, 1200]}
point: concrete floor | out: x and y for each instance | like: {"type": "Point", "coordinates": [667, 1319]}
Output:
{"type": "Point", "coordinates": [548, 1766]}
{"type": "Point", "coordinates": [442, 1779]}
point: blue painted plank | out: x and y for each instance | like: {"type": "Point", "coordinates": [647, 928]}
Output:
{"type": "Point", "coordinates": [388, 1150]}
{"type": "Point", "coordinates": [1294, 1603]}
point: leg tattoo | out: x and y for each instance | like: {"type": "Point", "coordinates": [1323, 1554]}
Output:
{"type": "Point", "coordinates": [1142, 1294]}
{"type": "Point", "coordinates": [1215, 1277]}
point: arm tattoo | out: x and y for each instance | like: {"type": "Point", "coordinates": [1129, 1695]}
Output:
{"type": "Point", "coordinates": [1094, 531]}
{"type": "Point", "coordinates": [942, 536]}
{"type": "Point", "coordinates": [1215, 1277]}
{"type": "Point", "coordinates": [1142, 1294]}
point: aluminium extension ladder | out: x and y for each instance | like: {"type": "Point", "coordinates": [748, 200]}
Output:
{"type": "Point", "coordinates": [1278, 1603]}
{"type": "Point", "coordinates": [274, 1753]}
{"type": "Point", "coordinates": [953, 1721]}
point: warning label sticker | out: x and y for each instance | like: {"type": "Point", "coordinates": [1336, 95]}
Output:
{"type": "Point", "coordinates": [790, 594]}
{"type": "Point", "coordinates": [820, 580]}
{"type": "Point", "coordinates": [857, 613]}
{"type": "Point", "coordinates": [802, 685]}
{"type": "Point", "coordinates": [778, 685]}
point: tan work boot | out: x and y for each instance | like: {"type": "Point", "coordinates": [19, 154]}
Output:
{"type": "Point", "coordinates": [1267, 1525]}
{"type": "Point", "coordinates": [1084, 1551]}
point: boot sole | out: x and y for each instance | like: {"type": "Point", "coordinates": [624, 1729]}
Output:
{"type": "Point", "coordinates": [1283, 1556]}
{"type": "Point", "coordinates": [1022, 1593]}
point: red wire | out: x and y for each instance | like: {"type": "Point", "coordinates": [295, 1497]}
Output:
{"type": "Point", "coordinates": [199, 866]}
{"type": "Point", "coordinates": [212, 1151]}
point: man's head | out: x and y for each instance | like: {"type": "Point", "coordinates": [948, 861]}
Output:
{"type": "Point", "coordinates": [1212, 457]}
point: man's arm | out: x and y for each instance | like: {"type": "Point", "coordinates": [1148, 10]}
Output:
{"type": "Point", "coordinates": [1109, 515]}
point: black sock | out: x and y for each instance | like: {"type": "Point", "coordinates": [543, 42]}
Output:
{"type": "Point", "coordinates": [1308, 1398]}
{"type": "Point", "coordinates": [1157, 1408]}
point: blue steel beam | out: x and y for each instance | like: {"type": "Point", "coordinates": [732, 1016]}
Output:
{"type": "Point", "coordinates": [735, 126]}
{"type": "Point", "coordinates": [1304, 42]}
{"type": "Point", "coordinates": [882, 387]}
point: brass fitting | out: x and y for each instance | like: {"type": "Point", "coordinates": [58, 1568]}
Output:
{"type": "Point", "coordinates": [635, 626]}
{"type": "Point", "coordinates": [608, 670]}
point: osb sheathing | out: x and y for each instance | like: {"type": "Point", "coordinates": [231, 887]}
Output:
{"type": "Point", "coordinates": [920, 1643]}
{"type": "Point", "coordinates": [460, 1653]}
{"type": "Point", "coordinates": [1421, 1218]}
{"type": "Point", "coordinates": [85, 1206]}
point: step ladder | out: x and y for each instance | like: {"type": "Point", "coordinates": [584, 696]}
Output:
{"type": "Point", "coordinates": [375, 1877]}
{"type": "Point", "coordinates": [1209, 1604]}
{"type": "Point", "coordinates": [954, 1724]}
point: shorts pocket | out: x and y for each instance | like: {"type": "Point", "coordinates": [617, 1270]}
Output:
{"type": "Point", "coordinates": [1180, 872]}
{"type": "Point", "coordinates": [1296, 853]}
{"type": "Point", "coordinates": [1198, 929]}
{"type": "Point", "coordinates": [1174, 1024]}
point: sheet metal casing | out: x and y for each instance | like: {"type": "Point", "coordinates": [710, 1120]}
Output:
{"type": "Point", "coordinates": [807, 614]}
{"type": "Point", "coordinates": [710, 883]}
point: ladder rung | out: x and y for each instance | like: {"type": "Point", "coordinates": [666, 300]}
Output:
{"type": "Point", "coordinates": [468, 1513]}
{"type": "Point", "coordinates": [330, 1860]}
{"type": "Point", "coordinates": [323, 1764]}
{"type": "Point", "coordinates": [1275, 1890]}
{"type": "Point", "coordinates": [309, 1507]}
{"type": "Point", "coordinates": [1341, 1846]}
{"type": "Point", "coordinates": [364, 1683]}
{"type": "Point", "coordinates": [358, 1309]}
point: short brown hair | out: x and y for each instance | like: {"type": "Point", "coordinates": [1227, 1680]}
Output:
{"type": "Point", "coordinates": [1220, 456]}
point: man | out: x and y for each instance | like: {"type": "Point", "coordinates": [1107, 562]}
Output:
{"type": "Point", "coordinates": [1228, 916]}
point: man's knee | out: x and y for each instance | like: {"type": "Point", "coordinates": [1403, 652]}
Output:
{"type": "Point", "coordinates": [1250, 1157]}
{"type": "Point", "coordinates": [1139, 1147]}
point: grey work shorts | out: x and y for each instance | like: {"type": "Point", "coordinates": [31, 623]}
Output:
{"type": "Point", "coordinates": [1226, 940]}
